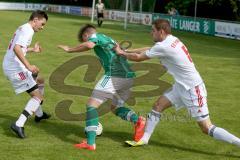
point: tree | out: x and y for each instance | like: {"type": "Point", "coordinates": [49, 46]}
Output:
{"type": "Point", "coordinates": [181, 6]}
{"type": "Point", "coordinates": [216, 9]}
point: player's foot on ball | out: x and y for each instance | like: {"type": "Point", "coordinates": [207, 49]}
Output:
{"type": "Point", "coordinates": [18, 130]}
{"type": "Point", "coordinates": [44, 116]}
{"type": "Point", "coordinates": [135, 144]}
{"type": "Point", "coordinates": [84, 145]}
{"type": "Point", "coordinates": [139, 128]}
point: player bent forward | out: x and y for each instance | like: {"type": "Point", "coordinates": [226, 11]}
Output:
{"type": "Point", "coordinates": [23, 75]}
{"type": "Point", "coordinates": [188, 90]}
{"type": "Point", "coordinates": [115, 84]}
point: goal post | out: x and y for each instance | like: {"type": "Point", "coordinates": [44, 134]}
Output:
{"type": "Point", "coordinates": [126, 14]}
{"type": "Point", "coordinates": [93, 10]}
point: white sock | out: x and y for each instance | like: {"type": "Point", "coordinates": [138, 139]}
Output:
{"type": "Point", "coordinates": [223, 135]}
{"type": "Point", "coordinates": [39, 111]}
{"type": "Point", "coordinates": [21, 120]}
{"type": "Point", "coordinates": [30, 108]}
{"type": "Point", "coordinates": [152, 120]}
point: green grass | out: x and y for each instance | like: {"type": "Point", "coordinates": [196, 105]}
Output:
{"type": "Point", "coordinates": [217, 59]}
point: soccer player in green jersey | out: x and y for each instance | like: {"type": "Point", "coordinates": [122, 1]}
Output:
{"type": "Point", "coordinates": [115, 84]}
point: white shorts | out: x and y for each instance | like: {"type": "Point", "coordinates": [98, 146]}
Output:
{"type": "Point", "coordinates": [117, 89]}
{"type": "Point", "coordinates": [21, 81]}
{"type": "Point", "coordinates": [194, 99]}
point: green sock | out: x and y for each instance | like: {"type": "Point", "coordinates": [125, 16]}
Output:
{"type": "Point", "coordinates": [126, 114]}
{"type": "Point", "coordinates": [91, 124]}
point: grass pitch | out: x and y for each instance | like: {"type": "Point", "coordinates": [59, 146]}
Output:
{"type": "Point", "coordinates": [177, 136]}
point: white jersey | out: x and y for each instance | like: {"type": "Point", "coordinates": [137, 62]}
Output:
{"type": "Point", "coordinates": [23, 37]}
{"type": "Point", "coordinates": [100, 7]}
{"type": "Point", "coordinates": [175, 58]}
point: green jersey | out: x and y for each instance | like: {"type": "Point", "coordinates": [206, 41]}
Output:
{"type": "Point", "coordinates": [113, 64]}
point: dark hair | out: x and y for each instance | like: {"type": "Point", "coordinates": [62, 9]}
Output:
{"type": "Point", "coordinates": [84, 29]}
{"type": "Point", "coordinates": [162, 24]}
{"type": "Point", "coordinates": [38, 14]}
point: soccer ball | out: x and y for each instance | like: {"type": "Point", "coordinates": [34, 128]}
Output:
{"type": "Point", "coordinates": [99, 129]}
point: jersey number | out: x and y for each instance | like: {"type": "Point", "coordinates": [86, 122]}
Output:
{"type": "Point", "coordinates": [187, 53]}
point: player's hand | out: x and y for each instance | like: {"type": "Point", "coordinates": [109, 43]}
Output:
{"type": "Point", "coordinates": [118, 50]}
{"type": "Point", "coordinates": [37, 48]}
{"type": "Point", "coordinates": [34, 69]}
{"type": "Point", "coordinates": [64, 47]}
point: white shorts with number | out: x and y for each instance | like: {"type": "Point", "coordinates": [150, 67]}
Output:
{"type": "Point", "coordinates": [194, 99]}
{"type": "Point", "coordinates": [117, 89]}
{"type": "Point", "coordinates": [21, 80]}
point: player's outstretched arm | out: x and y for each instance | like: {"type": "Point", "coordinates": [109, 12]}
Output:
{"type": "Point", "coordinates": [138, 50]}
{"type": "Point", "coordinates": [79, 48]}
{"type": "Point", "coordinates": [133, 56]}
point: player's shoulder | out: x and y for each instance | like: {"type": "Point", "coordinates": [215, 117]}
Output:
{"type": "Point", "coordinates": [102, 36]}
{"type": "Point", "coordinates": [160, 46]}
{"type": "Point", "coordinates": [26, 28]}
{"type": "Point", "coordinates": [169, 41]}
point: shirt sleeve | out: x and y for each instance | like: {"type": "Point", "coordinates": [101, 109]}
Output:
{"type": "Point", "coordinates": [157, 51]}
{"type": "Point", "coordinates": [23, 38]}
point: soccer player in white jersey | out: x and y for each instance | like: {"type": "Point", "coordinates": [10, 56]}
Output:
{"type": "Point", "coordinates": [22, 74]}
{"type": "Point", "coordinates": [100, 9]}
{"type": "Point", "coordinates": [188, 90]}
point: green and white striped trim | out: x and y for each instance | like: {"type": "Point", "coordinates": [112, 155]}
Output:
{"type": "Point", "coordinates": [105, 81]}
{"type": "Point", "coordinates": [91, 128]}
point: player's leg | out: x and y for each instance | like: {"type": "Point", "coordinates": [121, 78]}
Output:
{"type": "Point", "coordinates": [23, 81]}
{"type": "Point", "coordinates": [122, 87]}
{"type": "Point", "coordinates": [92, 120]}
{"type": "Point", "coordinates": [154, 116]}
{"type": "Point", "coordinates": [98, 19]}
{"type": "Point", "coordinates": [122, 93]}
{"type": "Point", "coordinates": [40, 82]}
{"type": "Point", "coordinates": [216, 132]}
{"type": "Point", "coordinates": [91, 124]}
{"type": "Point", "coordinates": [124, 113]}
{"type": "Point", "coordinates": [40, 114]}
{"type": "Point", "coordinates": [153, 119]}
{"type": "Point", "coordinates": [169, 98]}
{"type": "Point", "coordinates": [101, 19]}
{"type": "Point", "coordinates": [100, 94]}
{"type": "Point", "coordinates": [128, 114]}
{"type": "Point", "coordinates": [30, 108]}
{"type": "Point", "coordinates": [199, 111]}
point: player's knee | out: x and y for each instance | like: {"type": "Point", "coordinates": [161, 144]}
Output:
{"type": "Point", "coordinates": [113, 109]}
{"type": "Point", "coordinates": [40, 80]}
{"type": "Point", "coordinates": [204, 130]}
{"type": "Point", "coordinates": [205, 127]}
{"type": "Point", "coordinates": [158, 107]}
{"type": "Point", "coordinates": [38, 95]}
{"type": "Point", "coordinates": [204, 123]}
{"type": "Point", "coordinates": [161, 104]}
